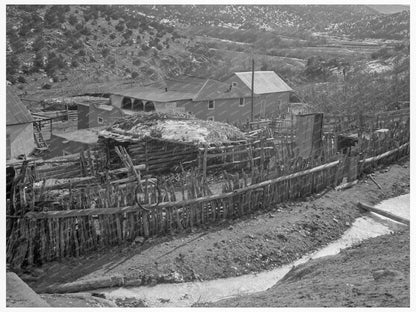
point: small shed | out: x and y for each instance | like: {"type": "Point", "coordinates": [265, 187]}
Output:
{"type": "Point", "coordinates": [165, 141]}
{"type": "Point", "coordinates": [95, 112]}
{"type": "Point", "coordinates": [309, 134]}
{"type": "Point", "coordinates": [19, 127]}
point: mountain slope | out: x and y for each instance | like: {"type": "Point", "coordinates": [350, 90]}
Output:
{"type": "Point", "coordinates": [392, 26]}
{"type": "Point", "coordinates": [389, 9]}
{"type": "Point", "coordinates": [93, 43]}
{"type": "Point", "coordinates": [351, 19]}
{"type": "Point", "coordinates": [270, 17]}
{"type": "Point", "coordinates": [74, 45]}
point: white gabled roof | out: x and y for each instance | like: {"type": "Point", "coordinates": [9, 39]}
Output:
{"type": "Point", "coordinates": [264, 82]}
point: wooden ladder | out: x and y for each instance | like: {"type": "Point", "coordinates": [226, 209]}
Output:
{"type": "Point", "coordinates": [40, 142]}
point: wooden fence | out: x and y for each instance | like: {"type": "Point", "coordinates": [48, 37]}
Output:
{"type": "Point", "coordinates": [43, 236]}
{"type": "Point", "coordinates": [89, 184]}
{"type": "Point", "coordinates": [161, 156]}
{"type": "Point", "coordinates": [246, 154]}
{"type": "Point", "coordinates": [345, 123]}
{"type": "Point", "coordinates": [88, 179]}
{"type": "Point", "coordinates": [88, 162]}
{"type": "Point", "coordinates": [270, 173]}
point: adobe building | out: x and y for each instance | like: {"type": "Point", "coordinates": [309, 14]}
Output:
{"type": "Point", "coordinates": [19, 127]}
{"type": "Point", "coordinates": [271, 92]}
{"type": "Point", "coordinates": [206, 99]}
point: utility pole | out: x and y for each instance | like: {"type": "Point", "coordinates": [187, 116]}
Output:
{"type": "Point", "coordinates": [252, 88]}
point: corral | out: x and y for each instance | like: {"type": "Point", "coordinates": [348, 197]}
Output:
{"type": "Point", "coordinates": [100, 204]}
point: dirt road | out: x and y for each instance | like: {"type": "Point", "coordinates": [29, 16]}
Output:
{"type": "Point", "coordinates": [251, 244]}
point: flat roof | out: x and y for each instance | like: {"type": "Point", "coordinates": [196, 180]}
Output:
{"type": "Point", "coordinates": [87, 136]}
{"type": "Point", "coordinates": [87, 100]}
{"type": "Point", "coordinates": [155, 94]}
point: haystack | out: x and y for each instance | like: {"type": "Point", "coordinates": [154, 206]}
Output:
{"type": "Point", "coordinates": [177, 127]}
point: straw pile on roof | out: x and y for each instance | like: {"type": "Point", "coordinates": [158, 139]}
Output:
{"type": "Point", "coordinates": [178, 127]}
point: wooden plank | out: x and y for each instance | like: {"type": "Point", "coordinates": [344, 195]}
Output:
{"type": "Point", "coordinates": [73, 158]}
{"type": "Point", "coordinates": [119, 228]}
{"type": "Point", "coordinates": [83, 164]}
{"type": "Point", "coordinates": [145, 221]}
{"type": "Point", "coordinates": [383, 213]}
{"type": "Point", "coordinates": [204, 164]}
{"type": "Point", "coordinates": [75, 237]}
{"type": "Point", "coordinates": [167, 160]}
{"type": "Point", "coordinates": [346, 185]}
{"type": "Point", "coordinates": [57, 169]}
{"type": "Point", "coordinates": [64, 174]}
{"type": "Point", "coordinates": [61, 223]}
{"type": "Point", "coordinates": [386, 154]}
{"type": "Point", "coordinates": [142, 154]}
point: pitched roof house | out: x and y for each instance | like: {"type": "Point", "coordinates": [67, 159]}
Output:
{"type": "Point", "coordinates": [19, 126]}
{"type": "Point", "coordinates": [205, 98]}
{"type": "Point", "coordinates": [264, 82]}
{"type": "Point", "coordinates": [272, 93]}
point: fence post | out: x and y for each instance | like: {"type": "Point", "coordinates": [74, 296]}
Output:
{"type": "Point", "coordinates": [262, 157]}
{"type": "Point", "coordinates": [83, 164]}
{"type": "Point", "coordinates": [204, 165]}
{"type": "Point", "coordinates": [251, 156]}
{"type": "Point", "coordinates": [67, 112]}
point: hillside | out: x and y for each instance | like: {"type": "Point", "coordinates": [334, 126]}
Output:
{"type": "Point", "coordinates": [392, 26]}
{"type": "Point", "coordinates": [269, 17]}
{"type": "Point", "coordinates": [288, 19]}
{"type": "Point", "coordinates": [93, 43]}
{"type": "Point", "coordinates": [389, 9]}
{"type": "Point", "coordinates": [71, 47]}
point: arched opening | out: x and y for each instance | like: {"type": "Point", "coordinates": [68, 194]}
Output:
{"type": "Point", "coordinates": [126, 103]}
{"type": "Point", "coordinates": [149, 106]}
{"type": "Point", "coordinates": [138, 105]}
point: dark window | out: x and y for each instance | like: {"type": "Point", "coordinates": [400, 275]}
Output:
{"type": "Point", "coordinates": [126, 104]}
{"type": "Point", "coordinates": [100, 120]}
{"type": "Point", "coordinates": [211, 104]}
{"type": "Point", "coordinates": [137, 105]}
{"type": "Point", "coordinates": [210, 118]}
{"type": "Point", "coordinates": [150, 106]}
{"type": "Point", "coordinates": [242, 101]}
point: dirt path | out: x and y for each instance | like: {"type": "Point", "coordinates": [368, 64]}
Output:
{"type": "Point", "coordinates": [74, 301]}
{"type": "Point", "coordinates": [255, 243]}
{"type": "Point", "coordinates": [374, 273]}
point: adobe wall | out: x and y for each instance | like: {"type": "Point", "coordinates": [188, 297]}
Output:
{"type": "Point", "coordinates": [21, 139]}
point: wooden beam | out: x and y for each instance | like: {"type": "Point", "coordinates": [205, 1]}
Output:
{"type": "Point", "coordinates": [383, 213]}
{"type": "Point", "coordinates": [346, 185]}
{"type": "Point", "coordinates": [375, 158]}
{"type": "Point", "coordinates": [83, 180]}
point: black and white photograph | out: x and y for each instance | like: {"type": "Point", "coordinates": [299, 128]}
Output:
{"type": "Point", "coordinates": [207, 155]}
